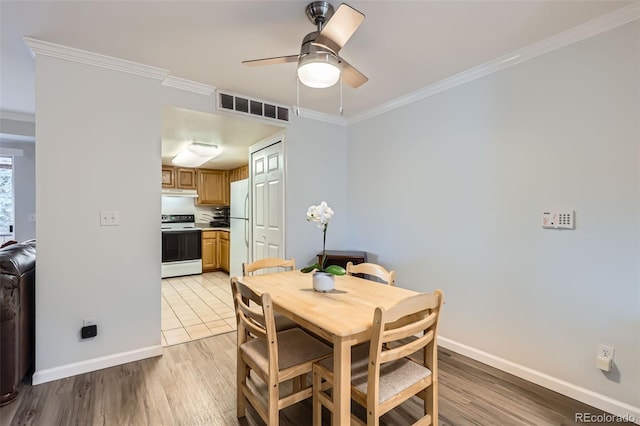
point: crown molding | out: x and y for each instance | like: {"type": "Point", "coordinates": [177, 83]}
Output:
{"type": "Point", "coordinates": [588, 29]}
{"type": "Point", "coordinates": [188, 85]}
{"type": "Point", "coordinates": [39, 47]}
{"type": "Point", "coordinates": [320, 116]}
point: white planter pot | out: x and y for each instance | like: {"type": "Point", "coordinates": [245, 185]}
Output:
{"type": "Point", "coordinates": [323, 281]}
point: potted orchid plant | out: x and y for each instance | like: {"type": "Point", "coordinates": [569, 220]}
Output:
{"type": "Point", "coordinates": [323, 278]}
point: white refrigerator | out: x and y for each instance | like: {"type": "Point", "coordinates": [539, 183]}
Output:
{"type": "Point", "coordinates": [239, 221]}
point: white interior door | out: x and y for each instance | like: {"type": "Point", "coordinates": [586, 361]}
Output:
{"type": "Point", "coordinates": [267, 201]}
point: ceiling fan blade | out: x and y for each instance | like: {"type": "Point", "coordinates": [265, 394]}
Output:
{"type": "Point", "coordinates": [340, 27]}
{"type": "Point", "coordinates": [272, 61]}
{"type": "Point", "coordinates": [352, 76]}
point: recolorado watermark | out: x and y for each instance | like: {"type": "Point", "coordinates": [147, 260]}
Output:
{"type": "Point", "coordinates": [603, 418]}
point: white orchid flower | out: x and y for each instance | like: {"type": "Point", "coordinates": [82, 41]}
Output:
{"type": "Point", "coordinates": [321, 215]}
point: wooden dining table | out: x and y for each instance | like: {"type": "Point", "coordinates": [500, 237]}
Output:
{"type": "Point", "coordinates": [343, 316]}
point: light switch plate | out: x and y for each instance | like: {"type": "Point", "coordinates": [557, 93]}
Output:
{"type": "Point", "coordinates": [558, 219]}
{"type": "Point", "coordinates": [109, 217]}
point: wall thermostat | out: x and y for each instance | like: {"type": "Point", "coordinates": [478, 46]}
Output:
{"type": "Point", "coordinates": [558, 219]}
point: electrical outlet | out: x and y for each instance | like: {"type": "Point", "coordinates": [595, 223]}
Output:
{"type": "Point", "coordinates": [605, 351]}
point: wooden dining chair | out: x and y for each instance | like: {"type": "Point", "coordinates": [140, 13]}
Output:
{"type": "Point", "coordinates": [383, 378]}
{"type": "Point", "coordinates": [275, 357]}
{"type": "Point", "coordinates": [372, 269]}
{"type": "Point", "coordinates": [282, 322]}
{"type": "Point", "coordinates": [268, 263]}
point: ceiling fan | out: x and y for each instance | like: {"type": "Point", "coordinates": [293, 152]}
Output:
{"type": "Point", "coordinates": [319, 65]}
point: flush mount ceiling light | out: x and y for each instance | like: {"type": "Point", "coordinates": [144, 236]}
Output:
{"type": "Point", "coordinates": [319, 65]}
{"type": "Point", "coordinates": [196, 154]}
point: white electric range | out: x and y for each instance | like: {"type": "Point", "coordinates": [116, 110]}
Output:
{"type": "Point", "coordinates": [181, 246]}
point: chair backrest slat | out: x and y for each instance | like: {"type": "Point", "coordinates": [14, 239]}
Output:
{"type": "Point", "coordinates": [268, 263]}
{"type": "Point", "coordinates": [409, 329]}
{"type": "Point", "coordinates": [372, 269]}
{"type": "Point", "coordinates": [407, 349]}
{"type": "Point", "coordinates": [252, 318]}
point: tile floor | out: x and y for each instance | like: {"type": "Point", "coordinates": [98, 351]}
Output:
{"type": "Point", "coordinates": [196, 306]}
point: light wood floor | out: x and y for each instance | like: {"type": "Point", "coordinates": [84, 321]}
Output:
{"type": "Point", "coordinates": [194, 384]}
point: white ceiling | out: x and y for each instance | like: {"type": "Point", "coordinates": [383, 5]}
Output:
{"type": "Point", "coordinates": [402, 46]}
{"type": "Point", "coordinates": [233, 135]}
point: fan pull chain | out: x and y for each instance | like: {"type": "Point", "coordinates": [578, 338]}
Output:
{"type": "Point", "coordinates": [297, 96]}
{"type": "Point", "coordinates": [341, 109]}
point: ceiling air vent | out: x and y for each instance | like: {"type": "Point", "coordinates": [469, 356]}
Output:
{"type": "Point", "coordinates": [253, 107]}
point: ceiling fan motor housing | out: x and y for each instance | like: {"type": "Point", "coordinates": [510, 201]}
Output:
{"type": "Point", "coordinates": [308, 46]}
{"type": "Point", "coordinates": [319, 12]}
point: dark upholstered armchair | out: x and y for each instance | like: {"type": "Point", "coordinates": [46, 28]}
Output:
{"type": "Point", "coordinates": [17, 316]}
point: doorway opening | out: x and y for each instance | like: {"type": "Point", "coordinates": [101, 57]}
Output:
{"type": "Point", "coordinates": [200, 305]}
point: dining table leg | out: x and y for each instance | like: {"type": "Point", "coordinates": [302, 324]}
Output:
{"type": "Point", "coordinates": [342, 381]}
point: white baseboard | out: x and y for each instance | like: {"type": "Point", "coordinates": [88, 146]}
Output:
{"type": "Point", "coordinates": [586, 396]}
{"type": "Point", "coordinates": [68, 370]}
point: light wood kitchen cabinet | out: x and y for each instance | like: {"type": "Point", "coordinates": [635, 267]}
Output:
{"type": "Point", "coordinates": [168, 177]}
{"type": "Point", "coordinates": [209, 251]}
{"type": "Point", "coordinates": [185, 178]}
{"type": "Point", "coordinates": [215, 251]}
{"type": "Point", "coordinates": [239, 173]}
{"type": "Point", "coordinates": [213, 187]}
{"type": "Point", "coordinates": [178, 177]}
{"type": "Point", "coordinates": [223, 250]}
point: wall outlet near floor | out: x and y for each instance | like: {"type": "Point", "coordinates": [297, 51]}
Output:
{"type": "Point", "coordinates": [89, 328]}
{"type": "Point", "coordinates": [604, 358]}
{"type": "Point", "coordinates": [605, 351]}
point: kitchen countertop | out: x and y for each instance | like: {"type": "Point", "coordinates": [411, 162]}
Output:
{"type": "Point", "coordinates": [207, 227]}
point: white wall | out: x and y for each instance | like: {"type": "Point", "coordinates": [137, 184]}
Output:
{"type": "Point", "coordinates": [316, 160]}
{"type": "Point", "coordinates": [458, 183]}
{"type": "Point", "coordinates": [24, 175]}
{"type": "Point", "coordinates": [98, 147]}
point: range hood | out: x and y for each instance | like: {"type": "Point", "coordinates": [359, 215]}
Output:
{"type": "Point", "coordinates": [192, 193]}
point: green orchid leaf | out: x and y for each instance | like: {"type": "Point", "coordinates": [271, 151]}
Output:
{"type": "Point", "coordinates": [335, 270]}
{"type": "Point", "coordinates": [310, 268]}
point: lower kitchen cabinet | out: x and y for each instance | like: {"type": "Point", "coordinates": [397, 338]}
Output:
{"type": "Point", "coordinates": [215, 251]}
{"type": "Point", "coordinates": [209, 250]}
{"type": "Point", "coordinates": [223, 250]}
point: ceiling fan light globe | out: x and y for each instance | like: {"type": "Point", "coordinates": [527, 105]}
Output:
{"type": "Point", "coordinates": [319, 70]}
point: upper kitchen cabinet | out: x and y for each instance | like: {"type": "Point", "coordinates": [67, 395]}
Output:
{"type": "Point", "coordinates": [178, 177]}
{"type": "Point", "coordinates": [239, 173]}
{"type": "Point", "coordinates": [186, 178]}
{"type": "Point", "coordinates": [168, 177]}
{"type": "Point", "coordinates": [213, 187]}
